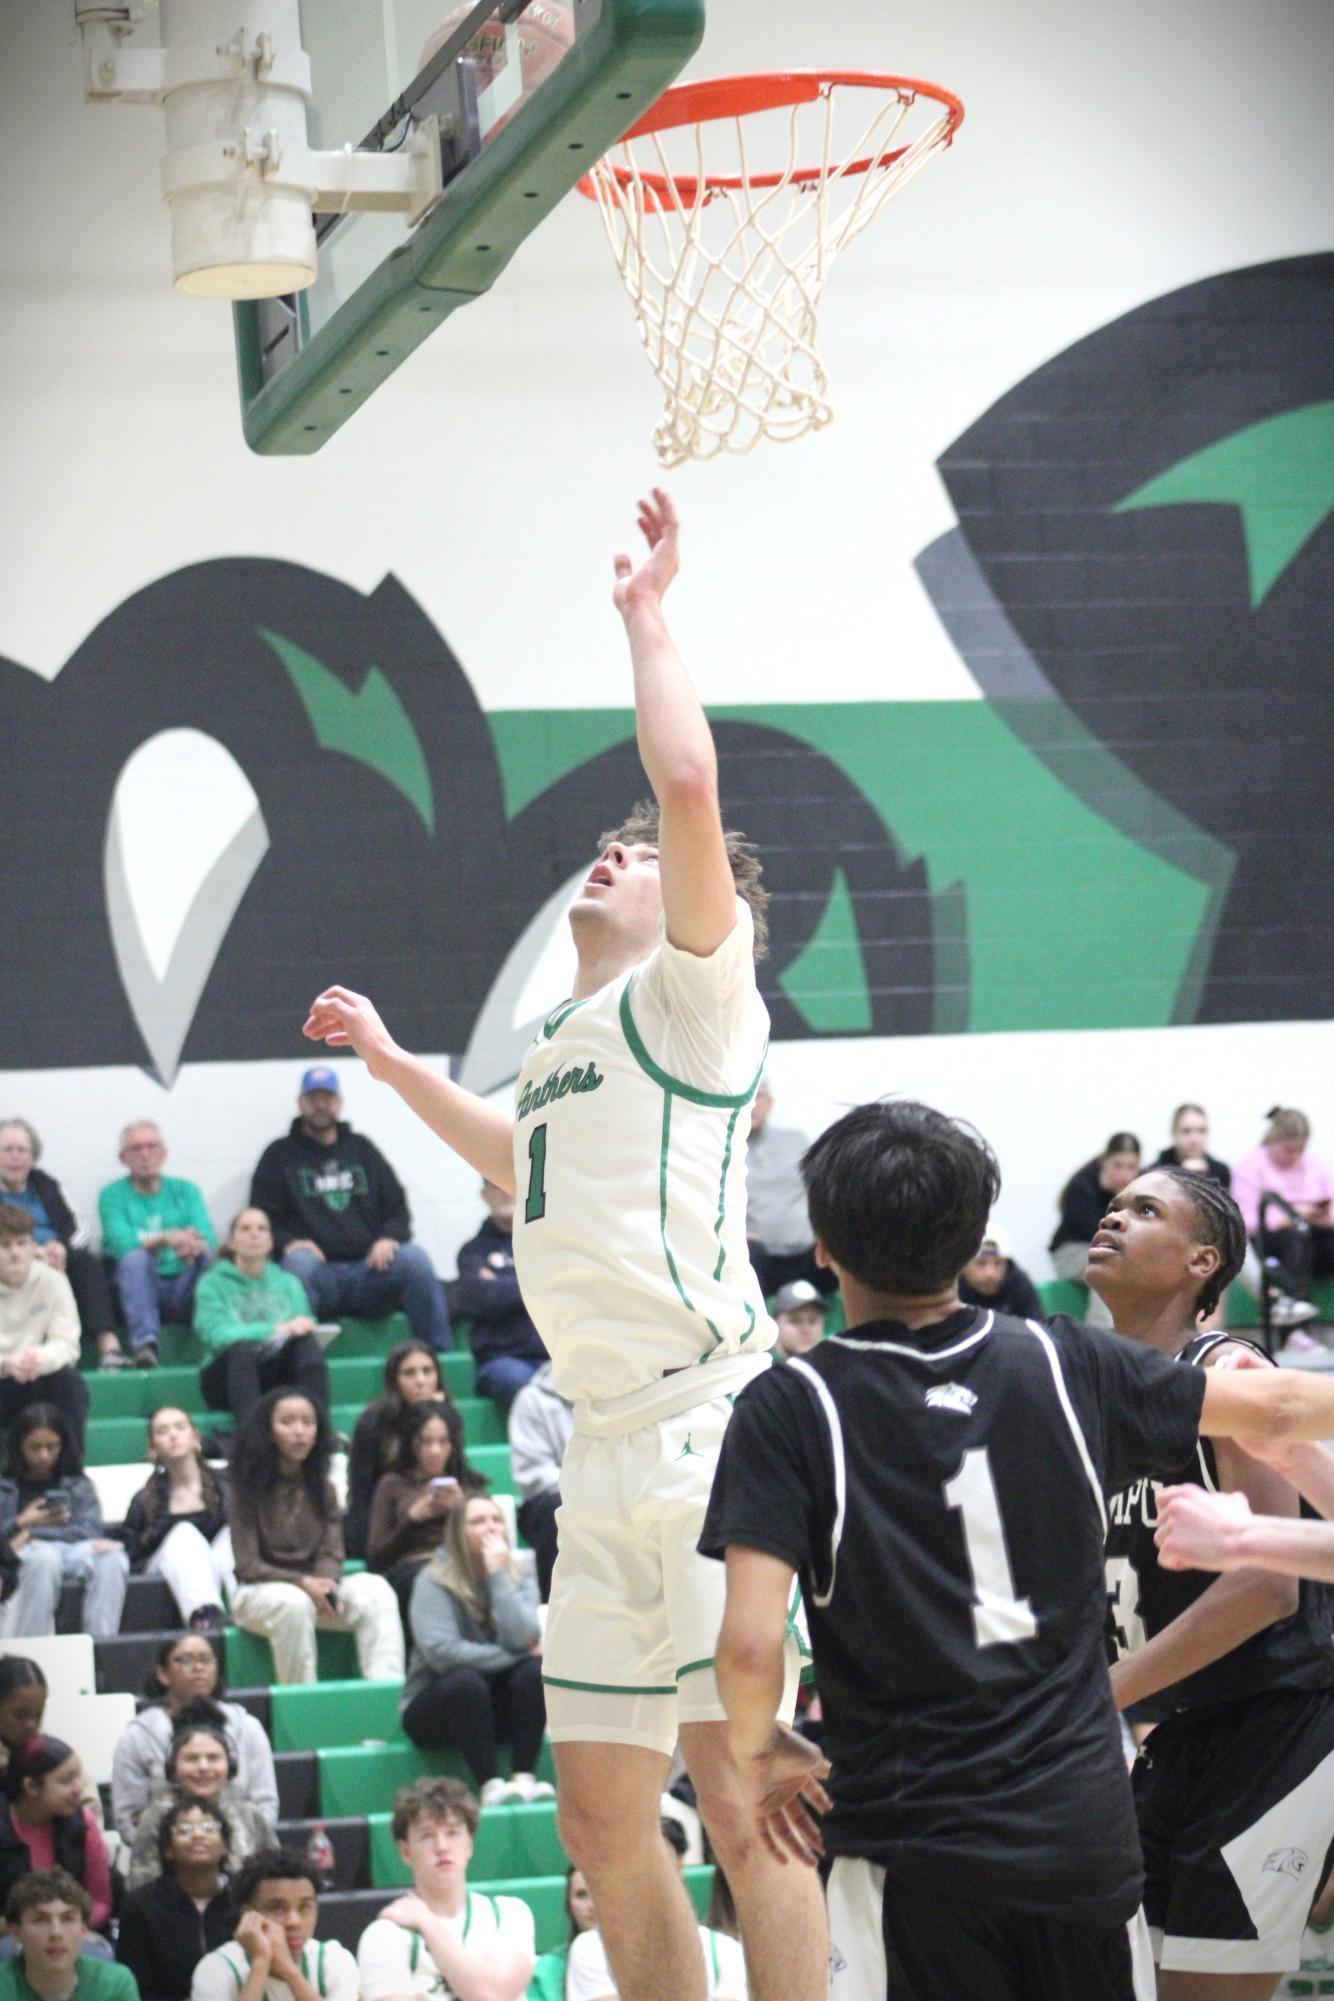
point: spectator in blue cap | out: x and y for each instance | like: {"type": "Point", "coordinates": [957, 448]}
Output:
{"type": "Point", "coordinates": [340, 1218]}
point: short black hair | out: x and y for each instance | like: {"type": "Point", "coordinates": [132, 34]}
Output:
{"type": "Point", "coordinates": [271, 1865]}
{"type": "Point", "coordinates": [673, 1834]}
{"type": "Point", "coordinates": [1218, 1221]}
{"type": "Point", "coordinates": [900, 1194]}
{"type": "Point", "coordinates": [188, 1804]}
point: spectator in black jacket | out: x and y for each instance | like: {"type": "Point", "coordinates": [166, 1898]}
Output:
{"type": "Point", "coordinates": [992, 1278]}
{"type": "Point", "coordinates": [1189, 1148]}
{"type": "Point", "coordinates": [1083, 1204]}
{"type": "Point", "coordinates": [62, 1238]}
{"type": "Point", "coordinates": [168, 1925]}
{"type": "Point", "coordinates": [340, 1218]}
{"type": "Point", "coordinates": [507, 1349]}
{"type": "Point", "coordinates": [175, 1527]}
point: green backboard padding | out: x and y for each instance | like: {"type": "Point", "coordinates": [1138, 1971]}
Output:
{"type": "Point", "coordinates": [631, 51]}
{"type": "Point", "coordinates": [511, 1841]}
{"type": "Point", "coordinates": [362, 1779]}
{"type": "Point", "coordinates": [321, 1715]}
{"type": "Point", "coordinates": [250, 1659]}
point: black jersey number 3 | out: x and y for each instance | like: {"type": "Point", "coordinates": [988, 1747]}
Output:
{"type": "Point", "coordinates": [999, 1618]}
{"type": "Point", "coordinates": [535, 1207]}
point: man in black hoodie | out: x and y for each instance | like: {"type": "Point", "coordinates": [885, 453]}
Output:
{"type": "Point", "coordinates": [340, 1218]}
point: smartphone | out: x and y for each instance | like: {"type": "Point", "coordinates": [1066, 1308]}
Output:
{"type": "Point", "coordinates": [56, 1497]}
{"type": "Point", "coordinates": [443, 1481]}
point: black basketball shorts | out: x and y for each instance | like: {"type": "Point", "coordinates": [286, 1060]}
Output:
{"type": "Point", "coordinates": [893, 1942]}
{"type": "Point", "coordinates": [1236, 1819]}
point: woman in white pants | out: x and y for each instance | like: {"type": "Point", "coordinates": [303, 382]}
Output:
{"type": "Point", "coordinates": [176, 1525]}
{"type": "Point", "coordinates": [287, 1540]}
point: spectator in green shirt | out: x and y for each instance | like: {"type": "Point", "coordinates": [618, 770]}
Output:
{"type": "Point", "coordinates": [255, 1321]}
{"type": "Point", "coordinates": [47, 1911]}
{"type": "Point", "coordinates": [157, 1232]}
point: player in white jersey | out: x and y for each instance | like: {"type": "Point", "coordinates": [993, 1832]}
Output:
{"type": "Point", "coordinates": [626, 1150]}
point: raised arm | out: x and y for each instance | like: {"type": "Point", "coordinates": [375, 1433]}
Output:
{"type": "Point", "coordinates": [480, 1133]}
{"type": "Point", "coordinates": [675, 746]}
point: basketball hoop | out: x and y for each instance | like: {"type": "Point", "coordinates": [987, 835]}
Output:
{"type": "Point", "coordinates": [725, 264]}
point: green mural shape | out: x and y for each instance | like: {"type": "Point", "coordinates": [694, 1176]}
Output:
{"type": "Point", "coordinates": [368, 723]}
{"type": "Point", "coordinates": [1278, 474]}
{"type": "Point", "coordinates": [1073, 920]}
{"type": "Point", "coordinates": [827, 980]}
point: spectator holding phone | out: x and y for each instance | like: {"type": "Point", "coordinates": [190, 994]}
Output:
{"type": "Point", "coordinates": [430, 1476]}
{"type": "Point", "coordinates": [255, 1321]}
{"type": "Point", "coordinates": [52, 1519]}
{"type": "Point", "coordinates": [287, 1546]}
{"type": "Point", "coordinates": [411, 1375]}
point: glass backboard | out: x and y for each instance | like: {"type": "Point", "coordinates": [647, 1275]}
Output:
{"type": "Point", "coordinates": [528, 96]}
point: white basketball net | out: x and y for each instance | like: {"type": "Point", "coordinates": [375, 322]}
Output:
{"type": "Point", "coordinates": [726, 281]}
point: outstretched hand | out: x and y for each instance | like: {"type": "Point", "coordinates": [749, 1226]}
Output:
{"type": "Point", "coordinates": [348, 1021]}
{"type": "Point", "coordinates": [784, 1783]}
{"type": "Point", "coordinates": [662, 531]}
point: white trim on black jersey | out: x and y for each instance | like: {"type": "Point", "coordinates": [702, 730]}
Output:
{"type": "Point", "coordinates": [1076, 1429]}
{"type": "Point", "coordinates": [916, 1354]}
{"type": "Point", "coordinates": [807, 1374]}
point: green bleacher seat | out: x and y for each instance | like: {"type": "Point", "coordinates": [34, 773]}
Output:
{"type": "Point", "coordinates": [494, 1461]}
{"type": "Point", "coordinates": [1063, 1295]}
{"type": "Point", "coordinates": [319, 1715]}
{"type": "Point", "coordinates": [363, 1778]}
{"type": "Point", "coordinates": [139, 1392]}
{"type": "Point", "coordinates": [114, 1441]}
{"type": "Point", "coordinates": [249, 1659]}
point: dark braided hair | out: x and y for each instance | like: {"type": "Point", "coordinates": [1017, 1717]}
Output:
{"type": "Point", "coordinates": [1218, 1222]}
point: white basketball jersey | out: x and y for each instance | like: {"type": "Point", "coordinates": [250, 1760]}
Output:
{"type": "Point", "coordinates": [631, 1117]}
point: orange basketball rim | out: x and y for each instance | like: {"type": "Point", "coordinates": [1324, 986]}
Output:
{"type": "Point", "coordinates": [725, 206]}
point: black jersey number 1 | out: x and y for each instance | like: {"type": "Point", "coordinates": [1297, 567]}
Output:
{"type": "Point", "coordinates": [536, 1205]}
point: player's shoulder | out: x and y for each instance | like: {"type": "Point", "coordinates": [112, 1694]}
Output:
{"type": "Point", "coordinates": [383, 1939]}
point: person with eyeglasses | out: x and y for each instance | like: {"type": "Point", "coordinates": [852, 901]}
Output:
{"type": "Point", "coordinates": [159, 1236]}
{"type": "Point", "coordinates": [167, 1926]}
{"type": "Point", "coordinates": [201, 1766]}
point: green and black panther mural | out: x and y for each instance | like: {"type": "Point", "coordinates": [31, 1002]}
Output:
{"type": "Point", "coordinates": [1132, 829]}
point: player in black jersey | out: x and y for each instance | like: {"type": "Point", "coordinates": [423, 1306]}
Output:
{"type": "Point", "coordinates": [936, 1477]}
{"type": "Point", "coordinates": [1234, 1789]}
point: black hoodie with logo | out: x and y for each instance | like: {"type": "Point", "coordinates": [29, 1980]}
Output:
{"type": "Point", "coordinates": [342, 1196]}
